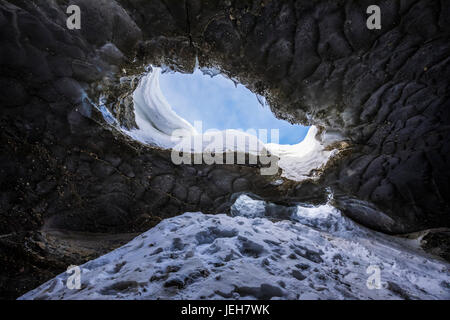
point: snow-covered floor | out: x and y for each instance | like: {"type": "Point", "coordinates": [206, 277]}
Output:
{"type": "Point", "coordinates": [315, 254]}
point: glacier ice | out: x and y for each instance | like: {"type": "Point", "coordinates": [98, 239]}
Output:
{"type": "Point", "coordinates": [248, 256]}
{"type": "Point", "coordinates": [159, 125]}
{"type": "Point", "coordinates": [299, 161]}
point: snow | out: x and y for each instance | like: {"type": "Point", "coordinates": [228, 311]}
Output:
{"type": "Point", "coordinates": [324, 217]}
{"type": "Point", "coordinates": [249, 208]}
{"type": "Point", "coordinates": [316, 254]}
{"type": "Point", "coordinates": [154, 116]}
{"type": "Point", "coordinates": [299, 161]}
{"type": "Point", "coordinates": [216, 141]}
{"type": "Point", "coordinates": [159, 125]}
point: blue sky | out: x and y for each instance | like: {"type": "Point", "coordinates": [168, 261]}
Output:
{"type": "Point", "coordinates": [221, 105]}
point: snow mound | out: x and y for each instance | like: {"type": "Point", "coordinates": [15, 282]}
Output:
{"type": "Point", "coordinates": [299, 161]}
{"type": "Point", "coordinates": [324, 217]}
{"type": "Point", "coordinates": [198, 256]}
{"type": "Point", "coordinates": [247, 207]}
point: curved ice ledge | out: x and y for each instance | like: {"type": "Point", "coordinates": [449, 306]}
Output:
{"type": "Point", "coordinates": [159, 125]}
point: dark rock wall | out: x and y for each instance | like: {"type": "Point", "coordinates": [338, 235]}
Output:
{"type": "Point", "coordinates": [61, 163]}
{"type": "Point", "coordinates": [385, 90]}
{"type": "Point", "coordinates": [63, 167]}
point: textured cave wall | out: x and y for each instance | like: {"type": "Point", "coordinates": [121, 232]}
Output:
{"type": "Point", "coordinates": [63, 167]}
{"type": "Point", "coordinates": [386, 91]}
{"type": "Point", "coordinates": [59, 157]}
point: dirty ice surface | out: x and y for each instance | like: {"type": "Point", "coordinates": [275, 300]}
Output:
{"type": "Point", "coordinates": [315, 254]}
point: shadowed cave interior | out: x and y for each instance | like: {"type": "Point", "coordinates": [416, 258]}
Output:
{"type": "Point", "coordinates": [77, 181]}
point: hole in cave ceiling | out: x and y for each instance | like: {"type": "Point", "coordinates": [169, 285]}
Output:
{"type": "Point", "coordinates": [168, 106]}
{"type": "Point", "coordinates": [223, 104]}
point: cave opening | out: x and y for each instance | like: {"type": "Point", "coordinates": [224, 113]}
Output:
{"type": "Point", "coordinates": [221, 103]}
{"type": "Point", "coordinates": [169, 106]}
{"type": "Point", "coordinates": [75, 188]}
{"type": "Point", "coordinates": [207, 113]}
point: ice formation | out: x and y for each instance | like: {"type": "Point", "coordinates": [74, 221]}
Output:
{"type": "Point", "coordinates": [159, 125]}
{"type": "Point", "coordinates": [299, 160]}
{"type": "Point", "coordinates": [317, 254]}
{"type": "Point", "coordinates": [154, 116]}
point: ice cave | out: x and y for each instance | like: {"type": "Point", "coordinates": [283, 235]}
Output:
{"type": "Point", "coordinates": [222, 113]}
{"type": "Point", "coordinates": [224, 150]}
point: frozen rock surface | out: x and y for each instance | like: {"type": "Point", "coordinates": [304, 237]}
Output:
{"type": "Point", "coordinates": [322, 255]}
